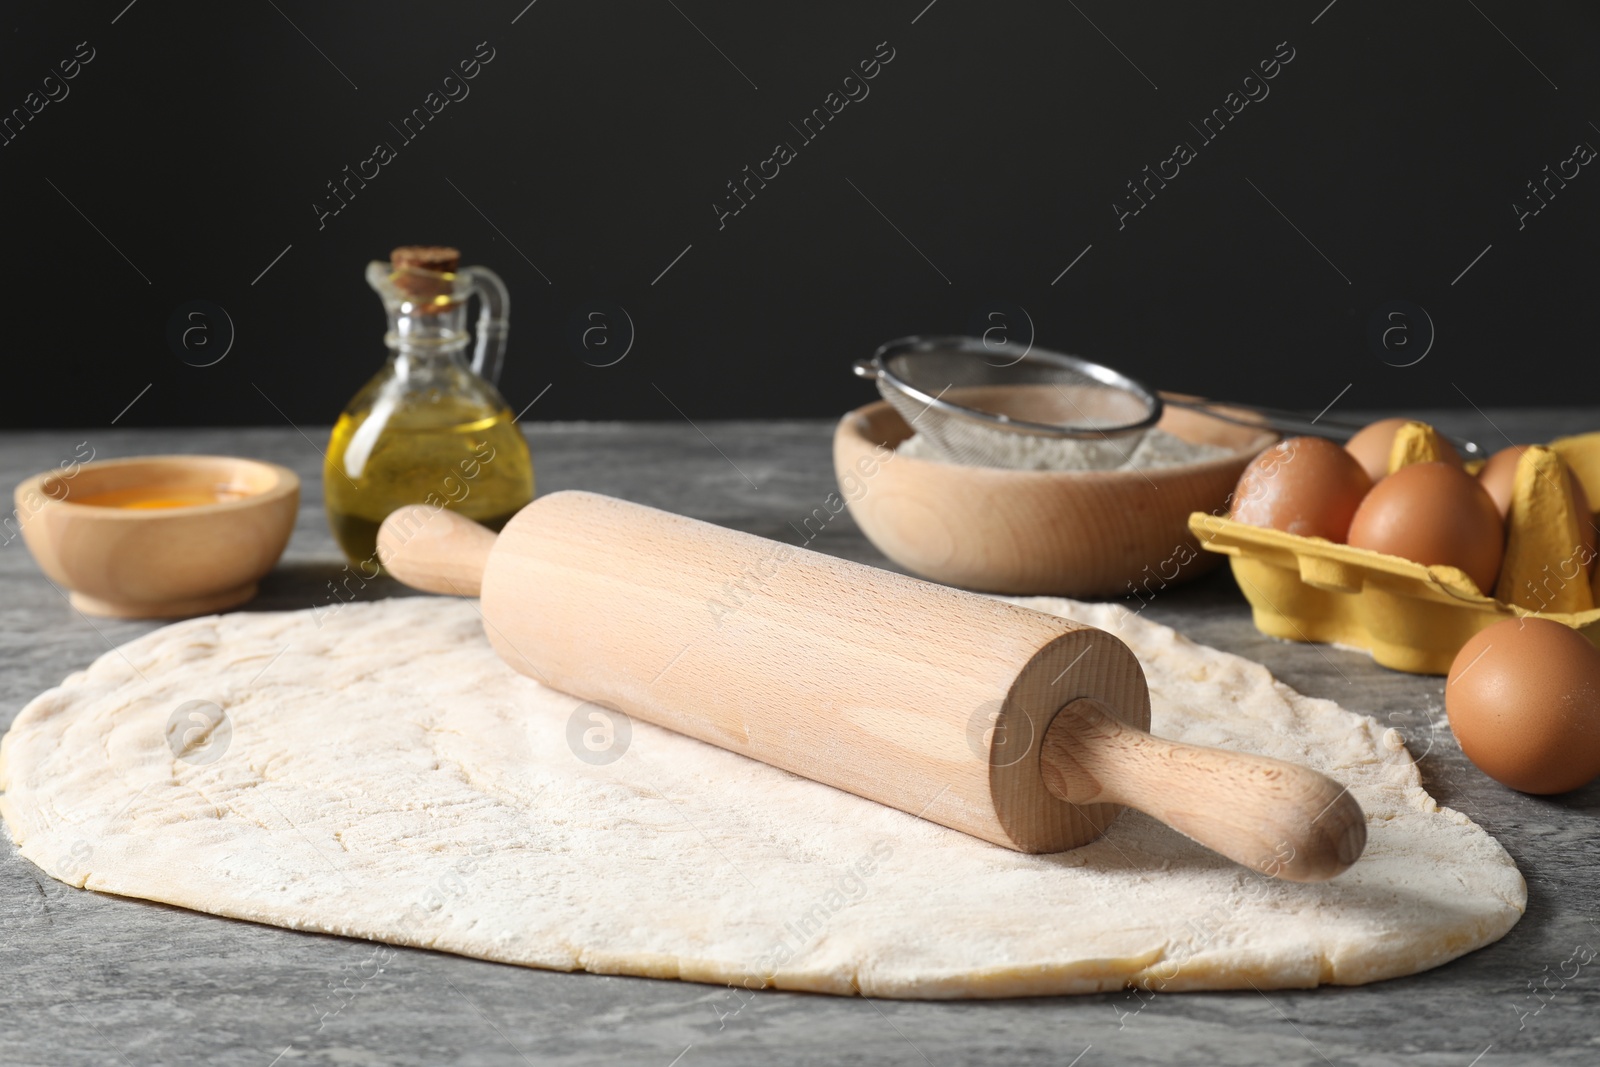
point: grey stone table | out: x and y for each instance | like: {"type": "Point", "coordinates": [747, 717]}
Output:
{"type": "Point", "coordinates": [90, 979]}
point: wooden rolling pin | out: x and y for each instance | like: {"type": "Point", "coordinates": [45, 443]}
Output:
{"type": "Point", "coordinates": [1015, 726]}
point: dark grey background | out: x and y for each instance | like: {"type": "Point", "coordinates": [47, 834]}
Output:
{"type": "Point", "coordinates": [187, 156]}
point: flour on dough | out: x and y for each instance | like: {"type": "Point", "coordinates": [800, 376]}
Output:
{"type": "Point", "coordinates": [385, 776]}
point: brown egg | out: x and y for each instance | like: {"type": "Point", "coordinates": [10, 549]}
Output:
{"type": "Point", "coordinates": [1304, 485]}
{"type": "Point", "coordinates": [1372, 443]}
{"type": "Point", "coordinates": [1500, 473]}
{"type": "Point", "coordinates": [1433, 514]}
{"type": "Point", "coordinates": [1523, 698]}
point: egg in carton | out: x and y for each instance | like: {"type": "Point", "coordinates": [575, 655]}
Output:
{"type": "Point", "coordinates": [1413, 617]}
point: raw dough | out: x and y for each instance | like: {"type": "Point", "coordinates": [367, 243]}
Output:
{"type": "Point", "coordinates": [380, 774]}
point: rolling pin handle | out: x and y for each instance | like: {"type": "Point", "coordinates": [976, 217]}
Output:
{"type": "Point", "coordinates": [435, 550]}
{"type": "Point", "coordinates": [1281, 819]}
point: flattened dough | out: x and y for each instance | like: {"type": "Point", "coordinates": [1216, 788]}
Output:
{"type": "Point", "coordinates": [387, 777]}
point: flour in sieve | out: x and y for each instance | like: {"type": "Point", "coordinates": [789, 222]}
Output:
{"type": "Point", "coordinates": [1018, 451]}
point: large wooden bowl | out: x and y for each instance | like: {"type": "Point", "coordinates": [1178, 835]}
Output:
{"type": "Point", "coordinates": [162, 562]}
{"type": "Point", "coordinates": [1066, 533]}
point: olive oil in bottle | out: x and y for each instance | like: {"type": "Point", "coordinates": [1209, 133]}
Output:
{"type": "Point", "coordinates": [428, 429]}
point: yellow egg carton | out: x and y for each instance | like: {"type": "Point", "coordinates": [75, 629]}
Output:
{"type": "Point", "coordinates": [1411, 617]}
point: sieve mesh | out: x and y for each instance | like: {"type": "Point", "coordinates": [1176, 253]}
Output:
{"type": "Point", "coordinates": [1001, 404]}
{"type": "Point", "coordinates": [993, 403]}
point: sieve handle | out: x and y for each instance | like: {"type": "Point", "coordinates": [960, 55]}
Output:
{"type": "Point", "coordinates": [1290, 421]}
{"type": "Point", "coordinates": [866, 368]}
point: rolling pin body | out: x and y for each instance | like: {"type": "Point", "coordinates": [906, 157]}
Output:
{"type": "Point", "coordinates": [883, 685]}
{"type": "Point", "coordinates": [929, 699]}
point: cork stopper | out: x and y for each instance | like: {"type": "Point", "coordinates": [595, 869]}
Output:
{"type": "Point", "coordinates": [440, 258]}
{"type": "Point", "coordinates": [425, 274]}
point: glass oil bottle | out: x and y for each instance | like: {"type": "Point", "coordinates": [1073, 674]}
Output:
{"type": "Point", "coordinates": [429, 428]}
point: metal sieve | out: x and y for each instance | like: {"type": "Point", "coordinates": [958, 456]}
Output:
{"type": "Point", "coordinates": [977, 401]}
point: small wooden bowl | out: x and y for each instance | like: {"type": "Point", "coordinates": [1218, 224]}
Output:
{"type": "Point", "coordinates": [162, 562]}
{"type": "Point", "coordinates": [1063, 533]}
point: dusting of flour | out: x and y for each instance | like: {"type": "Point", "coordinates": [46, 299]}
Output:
{"type": "Point", "coordinates": [1019, 451]}
{"type": "Point", "coordinates": [389, 777]}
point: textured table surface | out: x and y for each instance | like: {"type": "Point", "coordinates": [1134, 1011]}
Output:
{"type": "Point", "coordinates": [94, 979]}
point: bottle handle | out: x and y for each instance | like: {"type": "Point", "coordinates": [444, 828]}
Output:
{"type": "Point", "coordinates": [494, 321]}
